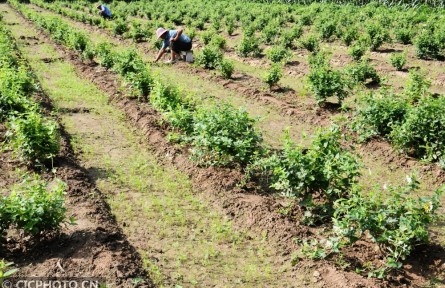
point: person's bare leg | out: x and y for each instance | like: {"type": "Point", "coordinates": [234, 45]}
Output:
{"type": "Point", "coordinates": [173, 55]}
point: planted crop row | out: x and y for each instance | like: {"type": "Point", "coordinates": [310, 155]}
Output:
{"type": "Point", "coordinates": [34, 138]}
{"type": "Point", "coordinates": [281, 25]}
{"type": "Point", "coordinates": [422, 140]}
{"type": "Point", "coordinates": [321, 177]}
{"type": "Point", "coordinates": [412, 120]}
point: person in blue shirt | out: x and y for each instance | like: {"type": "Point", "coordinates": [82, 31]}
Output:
{"type": "Point", "coordinates": [176, 40]}
{"type": "Point", "coordinates": [104, 11]}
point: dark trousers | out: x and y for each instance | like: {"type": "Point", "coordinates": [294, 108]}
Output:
{"type": "Point", "coordinates": [179, 46]}
{"type": "Point", "coordinates": [105, 16]}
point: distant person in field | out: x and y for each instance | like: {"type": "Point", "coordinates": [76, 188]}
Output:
{"type": "Point", "coordinates": [176, 40]}
{"type": "Point", "coordinates": [104, 11]}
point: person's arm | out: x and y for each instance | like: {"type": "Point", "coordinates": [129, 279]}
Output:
{"type": "Point", "coordinates": [160, 53]}
{"type": "Point", "coordinates": [178, 34]}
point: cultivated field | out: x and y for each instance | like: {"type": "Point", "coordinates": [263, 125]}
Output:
{"type": "Point", "coordinates": [304, 147]}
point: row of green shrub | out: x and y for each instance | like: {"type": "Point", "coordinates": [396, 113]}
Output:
{"type": "Point", "coordinates": [329, 24]}
{"type": "Point", "coordinates": [33, 137]}
{"type": "Point", "coordinates": [322, 177]}
{"type": "Point", "coordinates": [413, 120]}
{"type": "Point", "coordinates": [29, 206]}
{"type": "Point", "coordinates": [370, 26]}
{"type": "Point", "coordinates": [210, 129]}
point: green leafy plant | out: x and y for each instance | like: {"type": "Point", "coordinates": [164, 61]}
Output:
{"type": "Point", "coordinates": [106, 56]}
{"type": "Point", "coordinates": [31, 207]}
{"type": "Point", "coordinates": [404, 34]}
{"type": "Point", "coordinates": [417, 86]}
{"type": "Point", "coordinates": [128, 62]}
{"type": "Point", "coordinates": [324, 81]}
{"type": "Point", "coordinates": [378, 113]}
{"type": "Point", "coordinates": [427, 47]}
{"type": "Point", "coordinates": [207, 36]}
{"type": "Point", "coordinates": [324, 169]}
{"type": "Point", "coordinates": [120, 27]}
{"type": "Point", "coordinates": [395, 220]}
{"type": "Point", "coordinates": [249, 46]}
{"type": "Point", "coordinates": [274, 74]}
{"type": "Point", "coordinates": [223, 134]}
{"type": "Point", "coordinates": [310, 43]}
{"type": "Point", "coordinates": [209, 57]}
{"type": "Point", "coordinates": [226, 68]}
{"type": "Point", "coordinates": [5, 269]}
{"type": "Point", "coordinates": [422, 134]}
{"type": "Point", "coordinates": [357, 51]}
{"type": "Point", "coordinates": [218, 41]}
{"type": "Point", "coordinates": [398, 60]}
{"type": "Point", "coordinates": [349, 35]}
{"type": "Point", "coordinates": [278, 54]}
{"type": "Point", "coordinates": [376, 36]}
{"type": "Point", "coordinates": [33, 137]}
{"type": "Point", "coordinates": [362, 72]}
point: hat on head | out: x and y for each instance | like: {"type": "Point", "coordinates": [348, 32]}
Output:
{"type": "Point", "coordinates": [160, 31]}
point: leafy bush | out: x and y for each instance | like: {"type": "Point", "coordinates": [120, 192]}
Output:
{"type": "Point", "coordinates": [427, 47]}
{"type": "Point", "coordinates": [325, 82]}
{"type": "Point", "coordinates": [269, 33]}
{"type": "Point", "coordinates": [395, 221]}
{"type": "Point", "coordinates": [377, 114]}
{"type": "Point", "coordinates": [209, 57]}
{"type": "Point", "coordinates": [324, 169]}
{"type": "Point", "coordinates": [417, 86]}
{"type": "Point", "coordinates": [287, 39]}
{"type": "Point", "coordinates": [137, 33]}
{"type": "Point", "coordinates": [128, 62]}
{"type": "Point", "coordinates": [327, 29]}
{"type": "Point", "coordinates": [207, 36]}
{"type": "Point", "coordinates": [349, 35]}
{"type": "Point", "coordinates": [218, 42]}
{"type": "Point", "coordinates": [31, 207]}
{"type": "Point", "coordinates": [120, 27]}
{"type": "Point", "coordinates": [33, 137]}
{"type": "Point", "coordinates": [15, 87]}
{"type": "Point", "coordinates": [422, 134]}
{"type": "Point", "coordinates": [357, 51]}
{"type": "Point", "coordinates": [249, 46]}
{"type": "Point", "coordinates": [361, 72]}
{"type": "Point", "coordinates": [398, 60]}
{"type": "Point", "coordinates": [278, 54]}
{"type": "Point", "coordinates": [404, 34]}
{"type": "Point", "coordinates": [106, 56]}
{"type": "Point", "coordinates": [226, 68]}
{"type": "Point", "coordinates": [274, 74]}
{"type": "Point", "coordinates": [310, 43]}
{"type": "Point", "coordinates": [165, 97]}
{"type": "Point", "coordinates": [141, 81]}
{"type": "Point", "coordinates": [223, 134]}
{"type": "Point", "coordinates": [78, 41]}
{"type": "Point", "coordinates": [376, 36]}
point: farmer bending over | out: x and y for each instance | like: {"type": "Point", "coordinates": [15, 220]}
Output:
{"type": "Point", "coordinates": [176, 40]}
{"type": "Point", "coordinates": [104, 11]}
